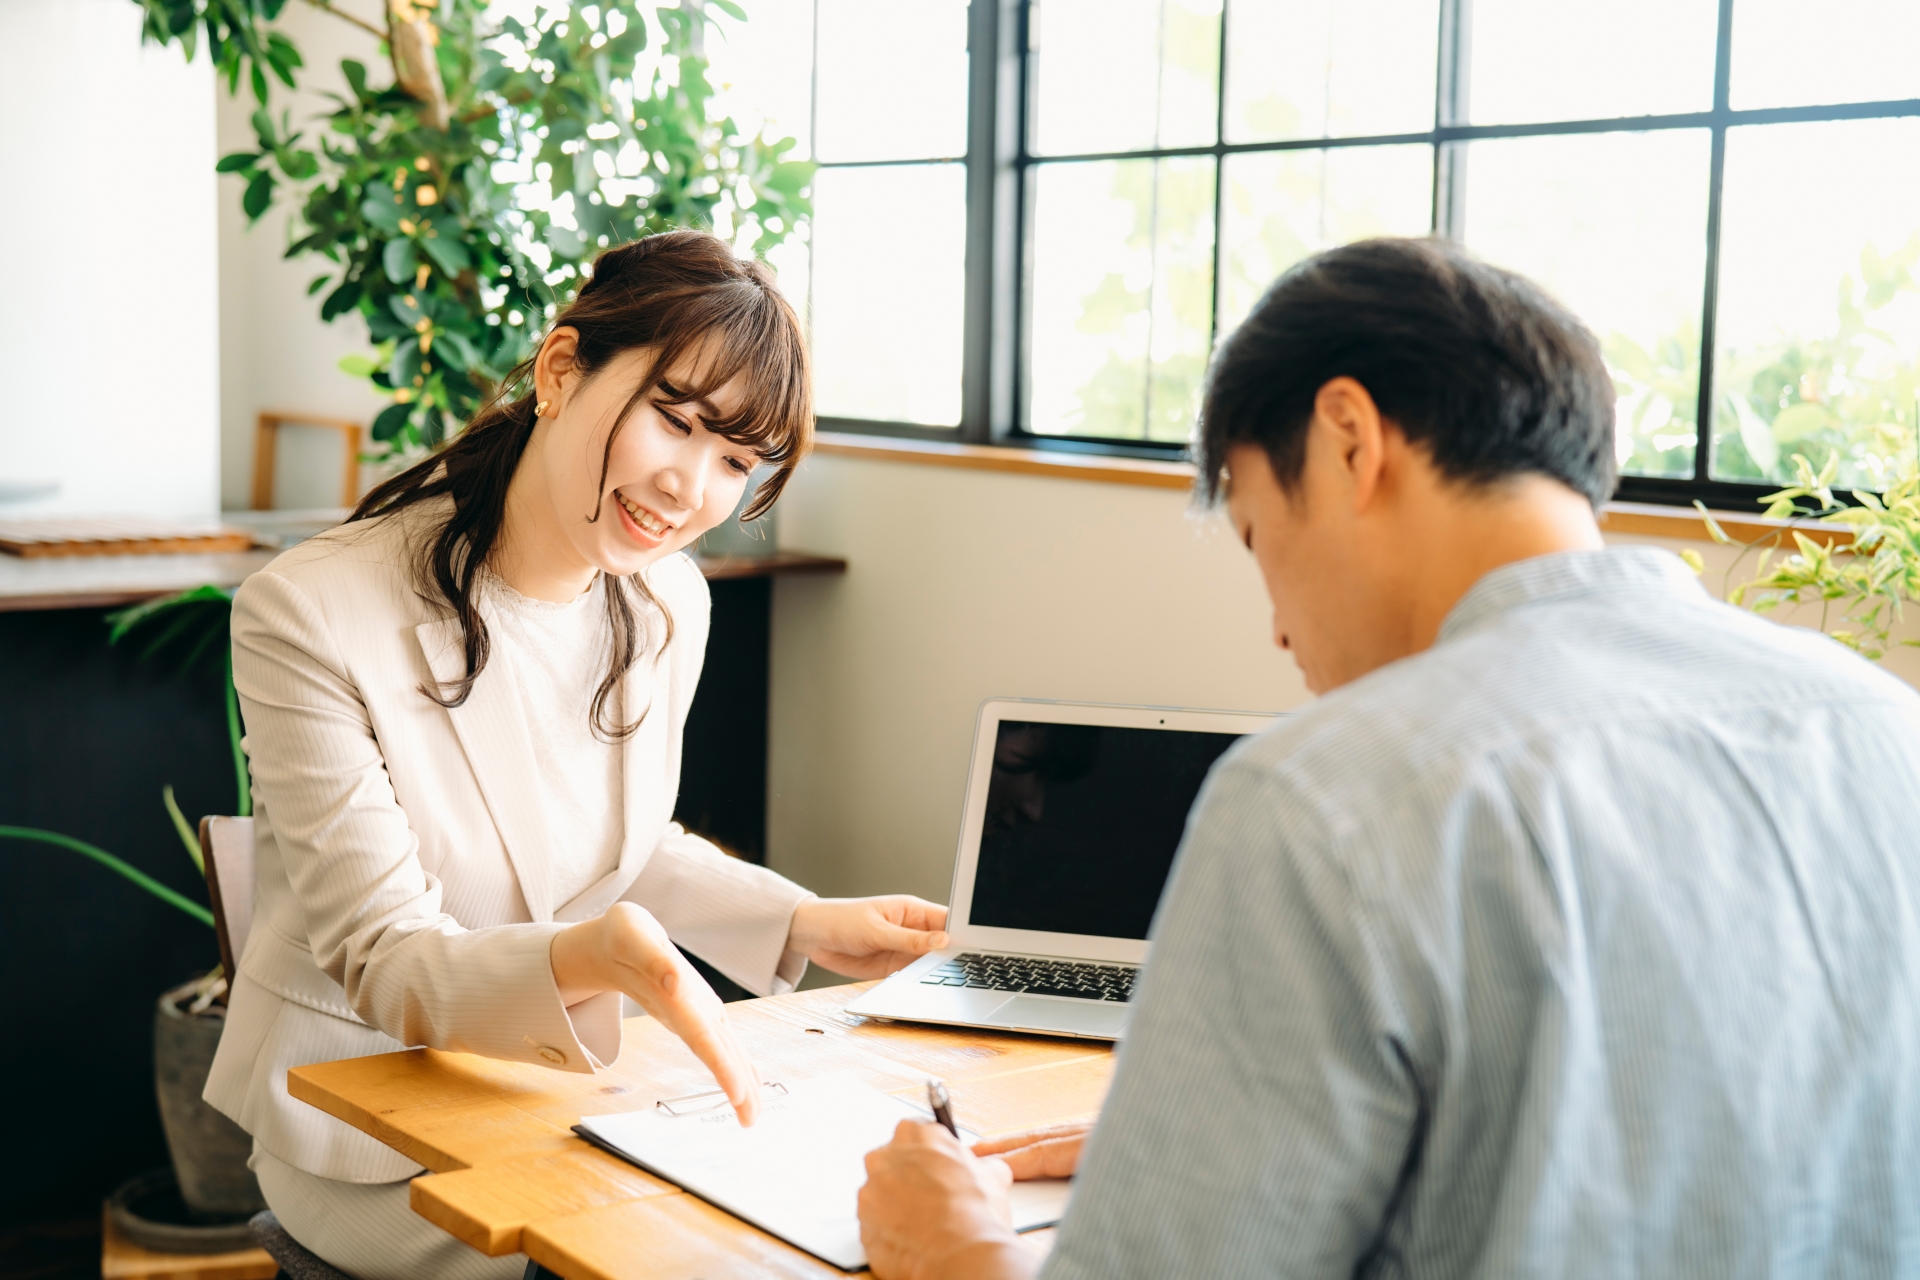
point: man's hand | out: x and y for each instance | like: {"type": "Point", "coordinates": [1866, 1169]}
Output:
{"type": "Point", "coordinates": [626, 950]}
{"type": "Point", "coordinates": [1053, 1152]}
{"type": "Point", "coordinates": [867, 937]}
{"type": "Point", "coordinates": [931, 1210]}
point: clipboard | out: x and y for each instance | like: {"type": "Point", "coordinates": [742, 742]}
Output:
{"type": "Point", "coordinates": [797, 1173]}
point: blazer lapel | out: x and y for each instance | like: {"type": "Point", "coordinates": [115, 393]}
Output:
{"type": "Point", "coordinates": [493, 732]}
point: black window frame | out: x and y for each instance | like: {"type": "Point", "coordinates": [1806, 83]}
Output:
{"type": "Point", "coordinates": [999, 250]}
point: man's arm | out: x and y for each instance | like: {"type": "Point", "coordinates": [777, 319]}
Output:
{"type": "Point", "coordinates": [1261, 1116]}
{"type": "Point", "coordinates": [1263, 1110]}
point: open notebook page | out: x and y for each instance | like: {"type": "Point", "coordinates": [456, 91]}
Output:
{"type": "Point", "coordinates": [798, 1171]}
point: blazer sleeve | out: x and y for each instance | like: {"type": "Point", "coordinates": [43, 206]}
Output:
{"type": "Point", "coordinates": [373, 917]}
{"type": "Point", "coordinates": [730, 913]}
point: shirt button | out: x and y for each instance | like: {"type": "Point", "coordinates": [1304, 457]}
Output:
{"type": "Point", "coordinates": [553, 1055]}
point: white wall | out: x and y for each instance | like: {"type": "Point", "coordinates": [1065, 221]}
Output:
{"type": "Point", "coordinates": [963, 585]}
{"type": "Point", "coordinates": [275, 354]}
{"type": "Point", "coordinates": [109, 335]}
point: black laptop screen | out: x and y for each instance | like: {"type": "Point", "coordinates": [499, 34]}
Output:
{"type": "Point", "coordinates": [1082, 824]}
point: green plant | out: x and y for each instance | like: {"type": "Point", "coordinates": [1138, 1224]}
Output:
{"type": "Point", "coordinates": [460, 206]}
{"type": "Point", "coordinates": [1869, 577]}
{"type": "Point", "coordinates": [1850, 394]}
{"type": "Point", "coordinates": [193, 624]}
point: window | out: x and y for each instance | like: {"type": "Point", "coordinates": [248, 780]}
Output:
{"type": "Point", "coordinates": [1036, 217]}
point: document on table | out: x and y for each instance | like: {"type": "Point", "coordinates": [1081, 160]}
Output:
{"type": "Point", "coordinates": [798, 1171]}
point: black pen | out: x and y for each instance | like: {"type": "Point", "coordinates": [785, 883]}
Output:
{"type": "Point", "coordinates": [941, 1105]}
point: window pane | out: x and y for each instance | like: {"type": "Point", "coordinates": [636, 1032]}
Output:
{"type": "Point", "coordinates": [1613, 224]}
{"type": "Point", "coordinates": [1330, 68]}
{"type": "Point", "coordinates": [758, 81]}
{"type": "Point", "coordinates": [888, 247]}
{"type": "Point", "coordinates": [1819, 319]}
{"type": "Point", "coordinates": [1791, 53]}
{"type": "Point", "coordinates": [1123, 75]}
{"type": "Point", "coordinates": [892, 79]}
{"type": "Point", "coordinates": [1281, 206]}
{"type": "Point", "coordinates": [1578, 60]}
{"type": "Point", "coordinates": [1122, 286]}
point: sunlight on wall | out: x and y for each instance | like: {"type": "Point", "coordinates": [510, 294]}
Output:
{"type": "Point", "coordinates": [108, 344]}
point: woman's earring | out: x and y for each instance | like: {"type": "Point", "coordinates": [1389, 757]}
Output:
{"type": "Point", "coordinates": [540, 410]}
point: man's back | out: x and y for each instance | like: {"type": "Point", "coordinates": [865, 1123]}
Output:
{"type": "Point", "coordinates": [1586, 943]}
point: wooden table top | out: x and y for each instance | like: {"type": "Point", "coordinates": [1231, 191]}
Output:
{"type": "Point", "coordinates": [507, 1174]}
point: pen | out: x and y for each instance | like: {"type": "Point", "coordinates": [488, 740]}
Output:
{"type": "Point", "coordinates": [941, 1105]}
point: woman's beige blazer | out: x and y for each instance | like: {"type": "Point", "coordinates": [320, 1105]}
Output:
{"type": "Point", "coordinates": [403, 896]}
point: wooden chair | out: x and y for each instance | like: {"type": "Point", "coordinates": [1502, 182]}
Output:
{"type": "Point", "coordinates": [266, 437]}
{"type": "Point", "coordinates": [226, 846]}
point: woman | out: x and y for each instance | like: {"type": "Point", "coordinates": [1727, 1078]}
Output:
{"type": "Point", "coordinates": [463, 711]}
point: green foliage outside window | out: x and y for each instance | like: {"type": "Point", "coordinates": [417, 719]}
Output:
{"type": "Point", "coordinates": [459, 208]}
{"type": "Point", "coordinates": [1848, 396]}
{"type": "Point", "coordinates": [1153, 395]}
{"type": "Point", "coordinates": [1659, 393]}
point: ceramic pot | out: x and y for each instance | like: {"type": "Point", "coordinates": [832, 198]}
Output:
{"type": "Point", "coordinates": [147, 1211]}
{"type": "Point", "coordinates": [209, 1151]}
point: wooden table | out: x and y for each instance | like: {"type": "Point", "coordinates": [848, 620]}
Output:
{"type": "Point", "coordinates": [508, 1176]}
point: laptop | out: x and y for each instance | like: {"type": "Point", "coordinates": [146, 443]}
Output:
{"type": "Point", "coordinates": [1074, 812]}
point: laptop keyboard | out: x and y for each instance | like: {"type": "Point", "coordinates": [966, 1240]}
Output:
{"type": "Point", "coordinates": [1036, 977]}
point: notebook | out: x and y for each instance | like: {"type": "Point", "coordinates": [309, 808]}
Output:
{"type": "Point", "coordinates": [797, 1172]}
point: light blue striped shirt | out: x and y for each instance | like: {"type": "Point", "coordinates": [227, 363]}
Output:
{"type": "Point", "coordinates": [1586, 943]}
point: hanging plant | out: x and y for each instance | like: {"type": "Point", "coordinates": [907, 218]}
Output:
{"type": "Point", "coordinates": [458, 208]}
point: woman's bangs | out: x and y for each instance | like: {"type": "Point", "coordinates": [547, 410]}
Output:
{"type": "Point", "coordinates": [750, 343]}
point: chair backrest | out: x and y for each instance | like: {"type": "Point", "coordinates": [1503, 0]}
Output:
{"type": "Point", "coordinates": [226, 845]}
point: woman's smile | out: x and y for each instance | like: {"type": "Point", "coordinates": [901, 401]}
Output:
{"type": "Point", "coordinates": [646, 528]}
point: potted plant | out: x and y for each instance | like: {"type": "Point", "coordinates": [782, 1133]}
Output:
{"type": "Point", "coordinates": [454, 209]}
{"type": "Point", "coordinates": [1868, 577]}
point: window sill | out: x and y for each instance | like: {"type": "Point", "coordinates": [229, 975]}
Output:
{"type": "Point", "coordinates": [1639, 518]}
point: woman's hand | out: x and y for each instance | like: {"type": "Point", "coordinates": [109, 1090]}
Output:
{"type": "Point", "coordinates": [626, 950]}
{"type": "Point", "coordinates": [867, 937]}
{"type": "Point", "coordinates": [1053, 1152]}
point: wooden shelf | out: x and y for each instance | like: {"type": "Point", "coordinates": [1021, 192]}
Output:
{"type": "Point", "coordinates": [778, 565]}
{"type": "Point", "coordinates": [108, 582]}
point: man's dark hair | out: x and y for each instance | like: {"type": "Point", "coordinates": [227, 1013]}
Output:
{"type": "Point", "coordinates": [1478, 365]}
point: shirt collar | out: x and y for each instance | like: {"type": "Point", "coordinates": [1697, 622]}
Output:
{"type": "Point", "coordinates": [1567, 575]}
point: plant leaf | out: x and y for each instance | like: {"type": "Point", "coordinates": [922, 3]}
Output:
{"type": "Point", "coordinates": [399, 260]}
{"type": "Point", "coordinates": [187, 837]}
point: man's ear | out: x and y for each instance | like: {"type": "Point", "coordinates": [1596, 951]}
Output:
{"type": "Point", "coordinates": [554, 369]}
{"type": "Point", "coordinates": [1356, 435]}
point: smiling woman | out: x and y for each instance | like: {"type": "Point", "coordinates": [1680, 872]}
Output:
{"type": "Point", "coordinates": [464, 713]}
{"type": "Point", "coordinates": [615, 429]}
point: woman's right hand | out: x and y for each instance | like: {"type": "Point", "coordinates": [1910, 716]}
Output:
{"type": "Point", "coordinates": [1053, 1152]}
{"type": "Point", "coordinates": [626, 950]}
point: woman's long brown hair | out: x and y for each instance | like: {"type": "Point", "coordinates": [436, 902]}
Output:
{"type": "Point", "coordinates": [680, 294]}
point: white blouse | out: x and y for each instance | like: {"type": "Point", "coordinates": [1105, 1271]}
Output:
{"type": "Point", "coordinates": [555, 656]}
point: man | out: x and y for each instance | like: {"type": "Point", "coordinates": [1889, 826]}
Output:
{"type": "Point", "coordinates": [1574, 930]}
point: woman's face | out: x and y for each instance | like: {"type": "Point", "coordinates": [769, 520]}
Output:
{"type": "Point", "coordinates": [668, 479]}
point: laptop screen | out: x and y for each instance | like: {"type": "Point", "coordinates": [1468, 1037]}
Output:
{"type": "Point", "coordinates": [1082, 824]}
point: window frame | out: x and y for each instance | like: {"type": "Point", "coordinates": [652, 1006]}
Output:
{"type": "Point", "coordinates": [999, 250]}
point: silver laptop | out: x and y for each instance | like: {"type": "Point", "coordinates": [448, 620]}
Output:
{"type": "Point", "coordinates": [1074, 812]}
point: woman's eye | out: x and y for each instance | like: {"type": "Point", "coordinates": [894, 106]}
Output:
{"type": "Point", "coordinates": [741, 465]}
{"type": "Point", "coordinates": [677, 423]}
